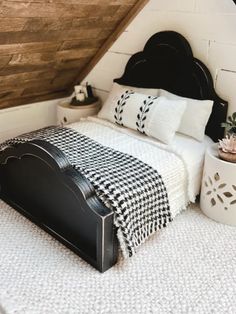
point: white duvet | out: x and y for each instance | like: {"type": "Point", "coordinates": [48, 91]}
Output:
{"type": "Point", "coordinates": [180, 164]}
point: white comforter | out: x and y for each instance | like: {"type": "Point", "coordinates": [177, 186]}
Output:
{"type": "Point", "coordinates": [176, 163]}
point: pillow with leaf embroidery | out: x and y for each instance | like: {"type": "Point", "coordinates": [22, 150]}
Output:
{"type": "Point", "coordinates": [151, 115]}
{"type": "Point", "coordinates": [117, 90]}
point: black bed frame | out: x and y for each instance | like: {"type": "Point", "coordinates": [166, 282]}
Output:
{"type": "Point", "coordinates": [37, 180]}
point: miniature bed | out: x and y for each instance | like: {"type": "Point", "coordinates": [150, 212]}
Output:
{"type": "Point", "coordinates": [38, 181]}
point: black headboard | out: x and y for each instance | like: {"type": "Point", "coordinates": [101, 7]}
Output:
{"type": "Point", "coordinates": [167, 62]}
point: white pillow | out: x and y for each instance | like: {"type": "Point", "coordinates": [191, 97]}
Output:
{"type": "Point", "coordinates": [195, 117]}
{"type": "Point", "coordinates": [146, 91]}
{"type": "Point", "coordinates": [150, 115]}
{"type": "Point", "coordinates": [164, 118]}
{"type": "Point", "coordinates": [107, 109]}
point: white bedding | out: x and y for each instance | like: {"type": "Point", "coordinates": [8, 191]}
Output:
{"type": "Point", "coordinates": [193, 153]}
{"type": "Point", "coordinates": [180, 163]}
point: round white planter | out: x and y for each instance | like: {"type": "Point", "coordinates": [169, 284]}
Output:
{"type": "Point", "coordinates": [218, 192]}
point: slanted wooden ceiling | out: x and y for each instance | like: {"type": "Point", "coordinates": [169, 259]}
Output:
{"type": "Point", "coordinates": [47, 45]}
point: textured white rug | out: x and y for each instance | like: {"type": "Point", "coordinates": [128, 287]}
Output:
{"type": "Point", "coordinates": [190, 267]}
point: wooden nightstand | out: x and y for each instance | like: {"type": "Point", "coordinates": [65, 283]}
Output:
{"type": "Point", "coordinates": [218, 192]}
{"type": "Point", "coordinates": [68, 114]}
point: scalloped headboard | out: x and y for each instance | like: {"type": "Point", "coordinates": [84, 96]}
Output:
{"type": "Point", "coordinates": [167, 62]}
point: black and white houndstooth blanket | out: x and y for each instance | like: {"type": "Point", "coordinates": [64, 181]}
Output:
{"type": "Point", "coordinates": [133, 189]}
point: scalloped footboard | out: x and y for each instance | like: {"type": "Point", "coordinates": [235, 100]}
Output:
{"type": "Point", "coordinates": [37, 180]}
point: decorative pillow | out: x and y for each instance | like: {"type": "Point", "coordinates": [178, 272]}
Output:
{"type": "Point", "coordinates": [114, 95]}
{"type": "Point", "coordinates": [140, 90]}
{"type": "Point", "coordinates": [164, 118]}
{"type": "Point", "coordinates": [195, 117]}
{"type": "Point", "coordinates": [150, 115]}
{"type": "Point", "coordinates": [117, 88]}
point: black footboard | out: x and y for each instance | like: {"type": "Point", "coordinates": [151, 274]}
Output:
{"type": "Point", "coordinates": [37, 180]}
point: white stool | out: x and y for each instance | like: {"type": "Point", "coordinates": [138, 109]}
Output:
{"type": "Point", "coordinates": [218, 192]}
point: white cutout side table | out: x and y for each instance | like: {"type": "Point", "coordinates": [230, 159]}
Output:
{"type": "Point", "coordinates": [68, 114]}
{"type": "Point", "coordinates": [218, 191]}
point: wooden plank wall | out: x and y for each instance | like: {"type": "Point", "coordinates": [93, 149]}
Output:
{"type": "Point", "coordinates": [44, 44]}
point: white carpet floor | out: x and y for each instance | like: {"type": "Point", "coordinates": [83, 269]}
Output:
{"type": "Point", "coordinates": [190, 267]}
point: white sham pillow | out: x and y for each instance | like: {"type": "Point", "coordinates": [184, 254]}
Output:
{"type": "Point", "coordinates": [164, 118]}
{"type": "Point", "coordinates": [154, 116]}
{"type": "Point", "coordinates": [195, 117]}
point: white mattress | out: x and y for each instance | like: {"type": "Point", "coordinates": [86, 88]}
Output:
{"type": "Point", "coordinates": [180, 163]}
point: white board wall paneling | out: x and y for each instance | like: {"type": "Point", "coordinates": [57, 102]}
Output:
{"type": "Point", "coordinates": [100, 80]}
{"type": "Point", "coordinates": [125, 45]}
{"type": "Point", "coordinates": [222, 56]}
{"type": "Point", "coordinates": [170, 5]}
{"type": "Point", "coordinates": [109, 67]}
{"type": "Point", "coordinates": [17, 120]}
{"type": "Point", "coordinates": [200, 25]}
{"type": "Point", "coordinates": [215, 6]}
{"type": "Point", "coordinates": [200, 48]}
{"type": "Point", "coordinates": [101, 94]}
{"type": "Point", "coordinates": [226, 87]}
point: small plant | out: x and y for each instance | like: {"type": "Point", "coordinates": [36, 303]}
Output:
{"type": "Point", "coordinates": [227, 148]}
{"type": "Point", "coordinates": [228, 144]}
{"type": "Point", "coordinates": [230, 124]}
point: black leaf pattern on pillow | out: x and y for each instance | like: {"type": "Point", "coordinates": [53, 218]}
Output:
{"type": "Point", "coordinates": [143, 111]}
{"type": "Point", "coordinates": [120, 106]}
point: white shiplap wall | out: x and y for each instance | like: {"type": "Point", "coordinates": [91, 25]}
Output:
{"type": "Point", "coordinates": [209, 25]}
{"type": "Point", "coordinates": [17, 120]}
